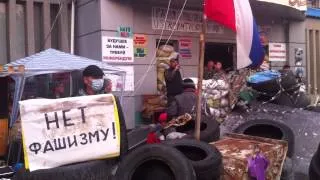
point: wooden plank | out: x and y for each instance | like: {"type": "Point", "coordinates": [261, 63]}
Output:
{"type": "Point", "coordinates": [236, 148]}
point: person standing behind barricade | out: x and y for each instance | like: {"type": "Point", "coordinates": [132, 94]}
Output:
{"type": "Point", "coordinates": [209, 70]}
{"type": "Point", "coordinates": [219, 72]}
{"type": "Point", "coordinates": [58, 90]}
{"type": "Point", "coordinates": [184, 102]}
{"type": "Point", "coordinates": [93, 81]}
{"type": "Point", "coordinates": [107, 85]}
{"type": "Point", "coordinates": [173, 80]}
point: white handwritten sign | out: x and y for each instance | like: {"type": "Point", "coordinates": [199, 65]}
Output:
{"type": "Point", "coordinates": [190, 21]}
{"type": "Point", "coordinates": [63, 131]}
{"type": "Point", "coordinates": [115, 49]}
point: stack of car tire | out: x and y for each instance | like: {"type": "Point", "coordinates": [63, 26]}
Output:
{"type": "Point", "coordinates": [183, 159]}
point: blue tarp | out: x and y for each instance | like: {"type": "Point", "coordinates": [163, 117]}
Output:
{"type": "Point", "coordinates": [263, 76]}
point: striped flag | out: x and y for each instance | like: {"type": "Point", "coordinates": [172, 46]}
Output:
{"type": "Point", "coordinates": [237, 16]}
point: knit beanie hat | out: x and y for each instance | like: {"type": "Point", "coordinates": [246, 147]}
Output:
{"type": "Point", "coordinates": [93, 71]}
{"type": "Point", "coordinates": [188, 83]}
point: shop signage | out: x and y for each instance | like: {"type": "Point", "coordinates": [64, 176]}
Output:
{"type": "Point", "coordinates": [190, 21]}
{"type": "Point", "coordinates": [124, 32]}
{"type": "Point", "coordinates": [115, 49]}
{"type": "Point", "coordinates": [298, 4]}
{"type": "Point", "coordinates": [63, 131]}
{"type": "Point", "coordinates": [185, 48]}
{"type": "Point", "coordinates": [277, 52]}
{"type": "Point", "coordinates": [140, 45]}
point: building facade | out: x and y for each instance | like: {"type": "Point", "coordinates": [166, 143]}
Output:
{"type": "Point", "coordinates": [313, 42]}
{"type": "Point", "coordinates": [29, 26]}
{"type": "Point", "coordinates": [100, 18]}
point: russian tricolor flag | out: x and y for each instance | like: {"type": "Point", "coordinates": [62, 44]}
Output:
{"type": "Point", "coordinates": [237, 15]}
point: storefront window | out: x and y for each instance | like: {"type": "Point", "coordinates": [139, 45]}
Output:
{"type": "Point", "coordinates": [50, 86]}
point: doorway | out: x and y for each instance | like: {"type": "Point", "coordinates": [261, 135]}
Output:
{"type": "Point", "coordinates": [222, 52]}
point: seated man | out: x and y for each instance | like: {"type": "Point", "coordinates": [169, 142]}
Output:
{"type": "Point", "coordinates": [209, 70]}
{"type": "Point", "coordinates": [185, 102]}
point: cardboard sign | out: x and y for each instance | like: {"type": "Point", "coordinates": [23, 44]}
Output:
{"type": "Point", "coordinates": [277, 52]}
{"type": "Point", "coordinates": [115, 49]}
{"type": "Point", "coordinates": [63, 131]}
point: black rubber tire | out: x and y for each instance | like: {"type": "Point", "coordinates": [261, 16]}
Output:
{"type": "Point", "coordinates": [94, 170]}
{"type": "Point", "coordinates": [205, 159]}
{"type": "Point", "coordinates": [314, 167]}
{"type": "Point", "coordinates": [156, 162]}
{"type": "Point", "coordinates": [286, 132]}
{"type": "Point", "coordinates": [81, 170]}
{"type": "Point", "coordinates": [287, 169]}
{"type": "Point", "coordinates": [123, 131]}
{"type": "Point", "coordinates": [210, 130]}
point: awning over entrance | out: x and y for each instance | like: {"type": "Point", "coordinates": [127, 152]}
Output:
{"type": "Point", "coordinates": [274, 10]}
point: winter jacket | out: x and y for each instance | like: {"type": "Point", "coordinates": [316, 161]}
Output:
{"type": "Point", "coordinates": [173, 82]}
{"type": "Point", "coordinates": [183, 103]}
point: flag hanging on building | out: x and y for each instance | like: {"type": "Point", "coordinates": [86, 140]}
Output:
{"type": "Point", "coordinates": [237, 16]}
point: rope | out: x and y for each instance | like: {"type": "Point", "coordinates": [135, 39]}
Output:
{"type": "Point", "coordinates": [139, 83]}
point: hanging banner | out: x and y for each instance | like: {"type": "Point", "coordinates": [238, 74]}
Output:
{"type": "Point", "coordinates": [190, 21]}
{"type": "Point", "coordinates": [125, 32]}
{"type": "Point", "coordinates": [185, 48]}
{"type": "Point", "coordinates": [140, 45]}
{"type": "Point", "coordinates": [277, 52]}
{"type": "Point", "coordinates": [115, 49]}
{"type": "Point", "coordinates": [69, 130]}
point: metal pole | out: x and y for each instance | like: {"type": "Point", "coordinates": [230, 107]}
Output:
{"type": "Point", "coordinates": [200, 74]}
{"type": "Point", "coordinates": [72, 27]}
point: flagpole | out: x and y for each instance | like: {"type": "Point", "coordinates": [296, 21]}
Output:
{"type": "Point", "coordinates": [200, 72]}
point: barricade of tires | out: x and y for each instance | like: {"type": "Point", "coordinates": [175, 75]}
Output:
{"type": "Point", "coordinates": [314, 167]}
{"type": "Point", "coordinates": [283, 91]}
{"type": "Point", "coordinates": [182, 159]}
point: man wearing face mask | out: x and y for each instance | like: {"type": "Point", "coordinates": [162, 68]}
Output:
{"type": "Point", "coordinates": [93, 81]}
{"type": "Point", "coordinates": [93, 84]}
